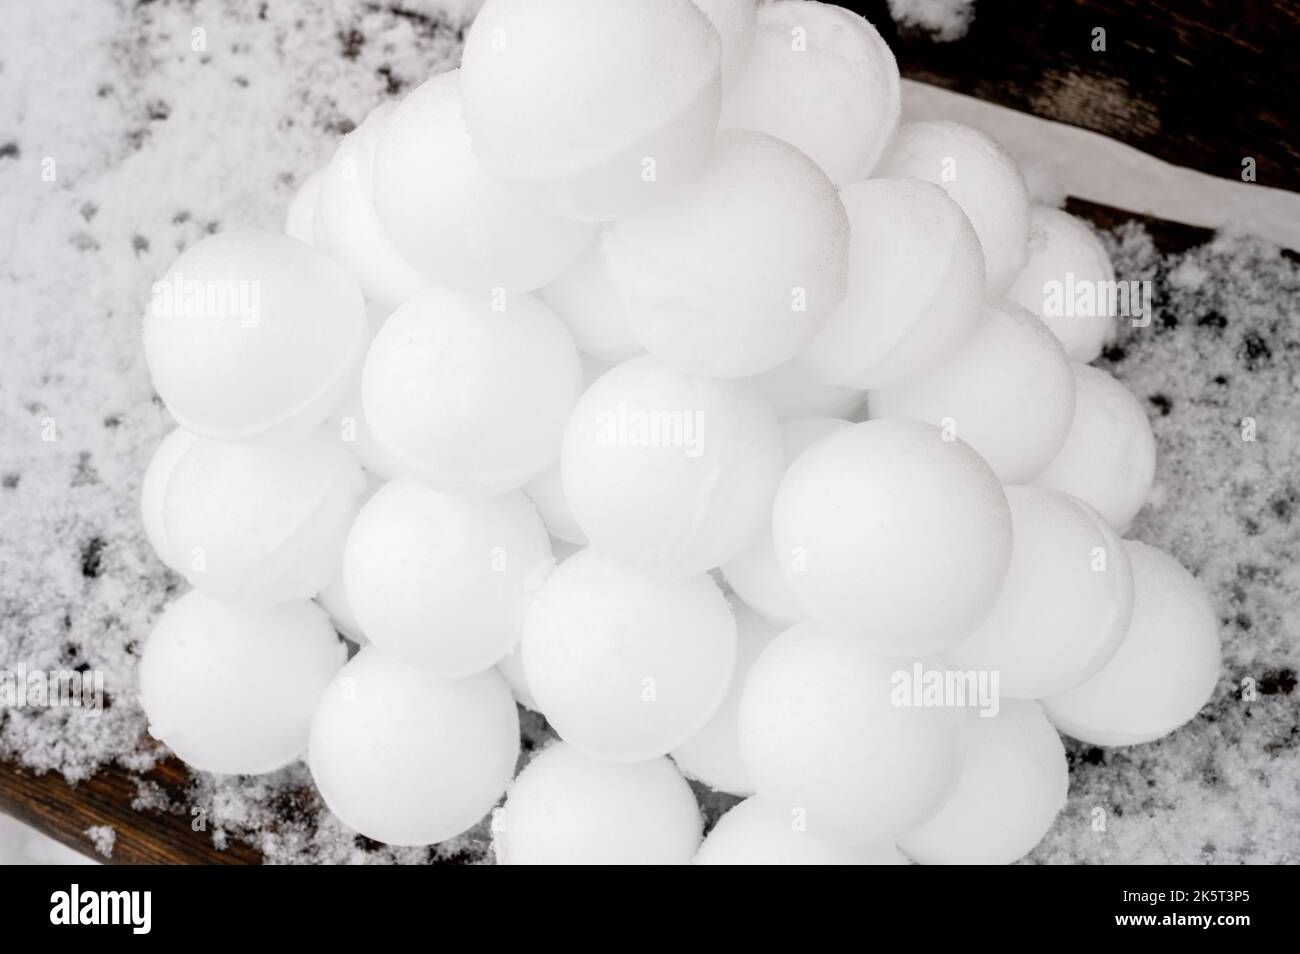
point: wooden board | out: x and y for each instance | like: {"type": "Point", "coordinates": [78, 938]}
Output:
{"type": "Point", "coordinates": [1199, 83]}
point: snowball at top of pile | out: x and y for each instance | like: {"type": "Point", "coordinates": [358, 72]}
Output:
{"type": "Point", "coordinates": [822, 79]}
{"type": "Point", "coordinates": [597, 106]}
{"type": "Point", "coordinates": [731, 274]}
{"type": "Point", "coordinates": [1166, 668]}
{"type": "Point", "coordinates": [470, 397]}
{"type": "Point", "coordinates": [231, 688]}
{"type": "Point", "coordinates": [460, 226]}
{"type": "Point", "coordinates": [874, 520]}
{"type": "Point", "coordinates": [255, 523]}
{"type": "Point", "coordinates": [1068, 282]}
{"type": "Point", "coordinates": [406, 758]}
{"type": "Point", "coordinates": [252, 336]}
{"type": "Point", "coordinates": [345, 223]}
{"type": "Point", "coordinates": [826, 742]}
{"type": "Point", "coordinates": [981, 177]}
{"type": "Point", "coordinates": [916, 282]}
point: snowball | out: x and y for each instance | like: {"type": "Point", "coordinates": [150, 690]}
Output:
{"type": "Point", "coordinates": [587, 302]}
{"type": "Point", "coordinates": [252, 335]}
{"type": "Point", "coordinates": [597, 106]}
{"type": "Point", "coordinates": [1109, 458]}
{"type": "Point", "coordinates": [755, 573]}
{"type": "Point", "coordinates": [794, 392]}
{"type": "Point", "coordinates": [406, 758]}
{"type": "Point", "coordinates": [669, 472]}
{"type": "Point", "coordinates": [448, 216]}
{"type": "Point", "coordinates": [231, 688]}
{"type": "Point", "coordinates": [568, 809]}
{"type": "Point", "coordinates": [875, 520]}
{"type": "Point", "coordinates": [625, 666]}
{"type": "Point", "coordinates": [822, 79]}
{"type": "Point", "coordinates": [441, 582]}
{"type": "Point", "coordinates": [471, 398]}
{"type": "Point", "coordinates": [1011, 790]}
{"type": "Point", "coordinates": [1165, 669]}
{"type": "Point", "coordinates": [347, 225]}
{"type": "Point", "coordinates": [1008, 391]}
{"type": "Point", "coordinates": [261, 524]}
{"type": "Point", "coordinates": [916, 283]}
{"type": "Point", "coordinates": [753, 833]}
{"type": "Point", "coordinates": [737, 23]}
{"type": "Point", "coordinates": [826, 746]}
{"type": "Point", "coordinates": [153, 489]}
{"type": "Point", "coordinates": [1066, 281]}
{"type": "Point", "coordinates": [712, 755]}
{"type": "Point", "coordinates": [300, 222]}
{"type": "Point", "coordinates": [1064, 606]}
{"type": "Point", "coordinates": [733, 273]}
{"type": "Point", "coordinates": [981, 177]}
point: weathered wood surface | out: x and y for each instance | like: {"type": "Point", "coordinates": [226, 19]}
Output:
{"type": "Point", "coordinates": [1200, 83]}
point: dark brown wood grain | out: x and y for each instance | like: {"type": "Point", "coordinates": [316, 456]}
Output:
{"type": "Point", "coordinates": [1200, 83]}
{"type": "Point", "coordinates": [50, 804]}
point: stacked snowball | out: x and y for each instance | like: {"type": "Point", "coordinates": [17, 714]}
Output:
{"type": "Point", "coordinates": [645, 289]}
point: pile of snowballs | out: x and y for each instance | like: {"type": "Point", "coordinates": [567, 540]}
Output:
{"type": "Point", "coordinates": [645, 370]}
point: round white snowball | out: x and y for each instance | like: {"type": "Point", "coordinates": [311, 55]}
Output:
{"type": "Point", "coordinates": [625, 666]}
{"type": "Point", "coordinates": [568, 809]}
{"type": "Point", "coordinates": [712, 755]}
{"type": "Point", "coordinates": [1109, 457]}
{"type": "Point", "coordinates": [471, 399]}
{"type": "Point", "coordinates": [737, 24]}
{"type": "Point", "coordinates": [981, 177]}
{"type": "Point", "coordinates": [261, 524]}
{"type": "Point", "coordinates": [587, 302]}
{"type": "Point", "coordinates": [755, 573]}
{"type": "Point", "coordinates": [1064, 606]}
{"type": "Point", "coordinates": [406, 758]}
{"type": "Point", "coordinates": [599, 106]}
{"type": "Point", "coordinates": [448, 216]}
{"type": "Point", "coordinates": [441, 582]}
{"type": "Point", "coordinates": [300, 221]}
{"type": "Point", "coordinates": [252, 335]}
{"type": "Point", "coordinates": [1165, 669]}
{"type": "Point", "coordinates": [1011, 790]}
{"type": "Point", "coordinates": [822, 79]}
{"type": "Point", "coordinates": [895, 533]}
{"type": "Point", "coordinates": [231, 688]}
{"type": "Point", "coordinates": [731, 274]}
{"type": "Point", "coordinates": [153, 490]}
{"type": "Point", "coordinates": [795, 392]}
{"type": "Point", "coordinates": [752, 833]}
{"type": "Point", "coordinates": [1064, 282]}
{"type": "Point", "coordinates": [821, 736]}
{"type": "Point", "coordinates": [1008, 391]}
{"type": "Point", "coordinates": [668, 472]}
{"type": "Point", "coordinates": [916, 283]}
{"type": "Point", "coordinates": [347, 225]}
